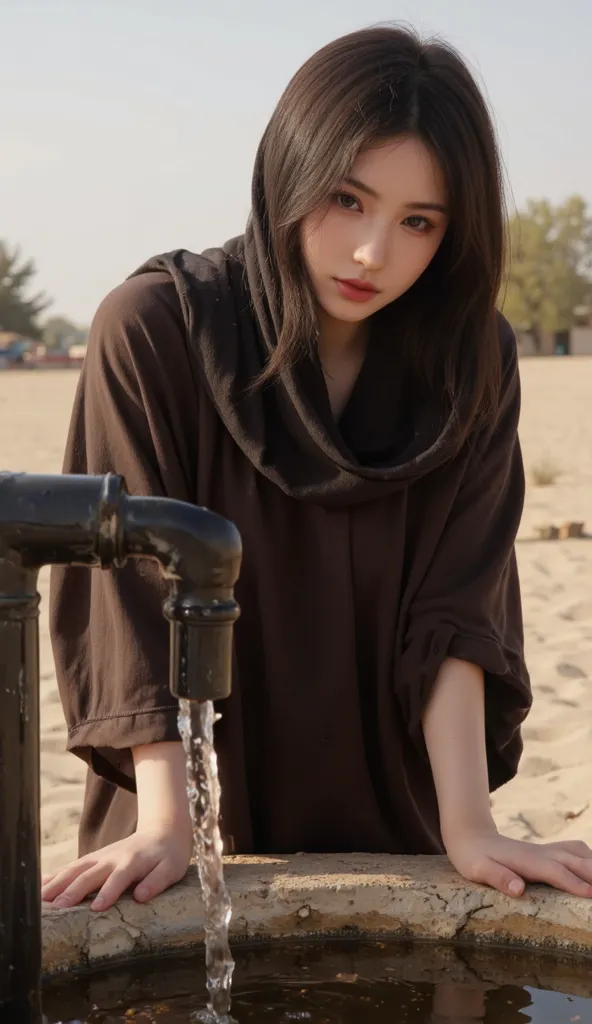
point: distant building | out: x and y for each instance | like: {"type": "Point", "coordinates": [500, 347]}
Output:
{"type": "Point", "coordinates": [60, 334]}
{"type": "Point", "coordinates": [581, 333]}
{"type": "Point", "coordinates": [575, 342]}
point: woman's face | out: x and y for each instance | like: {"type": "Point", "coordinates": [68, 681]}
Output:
{"type": "Point", "coordinates": [379, 231]}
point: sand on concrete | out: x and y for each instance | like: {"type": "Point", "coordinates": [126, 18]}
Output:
{"type": "Point", "coordinates": [551, 796]}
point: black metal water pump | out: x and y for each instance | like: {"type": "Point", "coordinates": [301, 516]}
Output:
{"type": "Point", "coordinates": [89, 521]}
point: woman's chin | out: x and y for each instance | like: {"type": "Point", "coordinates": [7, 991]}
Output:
{"type": "Point", "coordinates": [348, 312]}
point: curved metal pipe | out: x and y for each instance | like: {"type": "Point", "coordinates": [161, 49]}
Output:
{"type": "Point", "coordinates": [92, 521]}
{"type": "Point", "coordinates": [200, 553]}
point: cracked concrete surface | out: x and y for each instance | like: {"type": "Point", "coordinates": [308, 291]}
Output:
{"type": "Point", "coordinates": [305, 895]}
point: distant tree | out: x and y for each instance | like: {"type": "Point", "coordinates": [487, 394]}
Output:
{"type": "Point", "coordinates": [550, 266]}
{"type": "Point", "coordinates": [59, 332]}
{"type": "Point", "coordinates": [18, 310]}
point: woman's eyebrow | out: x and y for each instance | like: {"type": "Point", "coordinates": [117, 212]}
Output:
{"type": "Point", "coordinates": [437, 207]}
{"type": "Point", "coordinates": [420, 205]}
{"type": "Point", "coordinates": [362, 187]}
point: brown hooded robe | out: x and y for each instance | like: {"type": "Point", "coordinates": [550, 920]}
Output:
{"type": "Point", "coordinates": [373, 549]}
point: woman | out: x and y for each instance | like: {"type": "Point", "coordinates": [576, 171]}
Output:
{"type": "Point", "coordinates": [338, 383]}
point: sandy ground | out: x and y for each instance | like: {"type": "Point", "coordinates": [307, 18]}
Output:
{"type": "Point", "coordinates": [551, 797]}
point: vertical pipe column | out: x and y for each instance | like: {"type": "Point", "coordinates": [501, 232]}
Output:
{"type": "Point", "coordinates": [20, 897]}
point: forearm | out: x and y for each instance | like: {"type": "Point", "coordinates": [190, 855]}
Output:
{"type": "Point", "coordinates": [161, 784]}
{"type": "Point", "coordinates": [454, 731]}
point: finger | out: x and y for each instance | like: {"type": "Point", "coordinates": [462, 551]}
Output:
{"type": "Point", "coordinates": [498, 876]}
{"type": "Point", "coordinates": [575, 846]}
{"type": "Point", "coordinates": [553, 872]}
{"type": "Point", "coordinates": [120, 879]}
{"type": "Point", "coordinates": [580, 866]}
{"type": "Point", "coordinates": [541, 864]}
{"type": "Point", "coordinates": [159, 879]}
{"type": "Point", "coordinates": [89, 881]}
{"type": "Point", "coordinates": [64, 878]}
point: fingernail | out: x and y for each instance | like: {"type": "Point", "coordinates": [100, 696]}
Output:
{"type": "Point", "coordinates": [515, 887]}
{"type": "Point", "coordinates": [142, 893]}
{"type": "Point", "coordinates": [61, 902]}
{"type": "Point", "coordinates": [98, 903]}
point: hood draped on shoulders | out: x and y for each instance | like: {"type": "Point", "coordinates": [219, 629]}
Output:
{"type": "Point", "coordinates": [391, 432]}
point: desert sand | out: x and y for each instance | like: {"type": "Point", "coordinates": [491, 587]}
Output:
{"type": "Point", "coordinates": [551, 796]}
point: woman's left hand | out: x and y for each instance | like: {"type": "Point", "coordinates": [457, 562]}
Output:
{"type": "Point", "coordinates": [486, 857]}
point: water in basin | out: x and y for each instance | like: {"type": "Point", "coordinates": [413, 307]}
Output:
{"type": "Point", "coordinates": [338, 982]}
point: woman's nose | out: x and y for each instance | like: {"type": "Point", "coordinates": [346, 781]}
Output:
{"type": "Point", "coordinates": [372, 253]}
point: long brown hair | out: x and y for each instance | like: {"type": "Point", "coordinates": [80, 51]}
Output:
{"type": "Point", "coordinates": [360, 90]}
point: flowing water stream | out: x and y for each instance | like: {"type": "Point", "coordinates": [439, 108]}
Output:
{"type": "Point", "coordinates": [196, 726]}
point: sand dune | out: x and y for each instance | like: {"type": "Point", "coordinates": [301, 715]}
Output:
{"type": "Point", "coordinates": [551, 797]}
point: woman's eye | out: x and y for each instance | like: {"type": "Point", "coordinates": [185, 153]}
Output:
{"type": "Point", "coordinates": [346, 201]}
{"type": "Point", "coordinates": [418, 223]}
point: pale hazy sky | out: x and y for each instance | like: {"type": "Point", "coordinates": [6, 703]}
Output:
{"type": "Point", "coordinates": [129, 127]}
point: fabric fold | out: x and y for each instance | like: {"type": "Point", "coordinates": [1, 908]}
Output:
{"type": "Point", "coordinates": [467, 603]}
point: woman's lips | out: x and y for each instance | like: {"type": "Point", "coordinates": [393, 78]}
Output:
{"type": "Point", "coordinates": [356, 291]}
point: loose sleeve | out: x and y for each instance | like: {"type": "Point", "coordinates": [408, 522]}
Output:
{"type": "Point", "coordinates": [467, 604]}
{"type": "Point", "coordinates": [135, 414]}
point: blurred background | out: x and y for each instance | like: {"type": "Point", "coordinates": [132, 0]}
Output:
{"type": "Point", "coordinates": [129, 128]}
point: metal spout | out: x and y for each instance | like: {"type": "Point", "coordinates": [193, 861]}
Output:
{"type": "Point", "coordinates": [90, 521]}
{"type": "Point", "coordinates": [200, 553]}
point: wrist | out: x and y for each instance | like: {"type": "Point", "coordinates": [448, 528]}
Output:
{"type": "Point", "coordinates": [455, 830]}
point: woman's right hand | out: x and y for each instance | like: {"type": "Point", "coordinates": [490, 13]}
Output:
{"type": "Point", "coordinates": [154, 858]}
